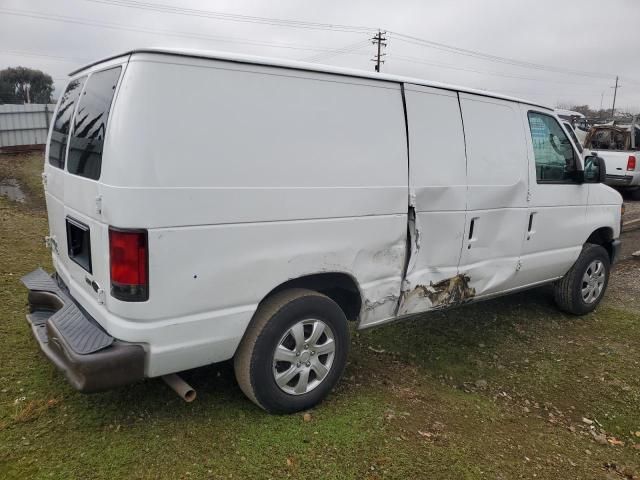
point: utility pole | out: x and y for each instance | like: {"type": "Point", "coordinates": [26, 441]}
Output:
{"type": "Point", "coordinates": [615, 91]}
{"type": "Point", "coordinates": [379, 39]}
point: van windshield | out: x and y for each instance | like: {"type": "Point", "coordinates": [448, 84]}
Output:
{"type": "Point", "coordinates": [90, 124]}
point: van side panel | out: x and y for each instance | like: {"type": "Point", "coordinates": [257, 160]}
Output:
{"type": "Point", "coordinates": [497, 194]}
{"type": "Point", "coordinates": [438, 187]}
{"type": "Point", "coordinates": [247, 176]}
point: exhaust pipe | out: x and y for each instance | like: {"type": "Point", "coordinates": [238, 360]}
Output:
{"type": "Point", "coordinates": [182, 388]}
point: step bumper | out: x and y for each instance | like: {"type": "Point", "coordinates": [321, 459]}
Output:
{"type": "Point", "coordinates": [90, 358]}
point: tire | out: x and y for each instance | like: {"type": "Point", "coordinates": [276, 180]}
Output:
{"type": "Point", "coordinates": [569, 292]}
{"type": "Point", "coordinates": [635, 194]}
{"type": "Point", "coordinates": [278, 323]}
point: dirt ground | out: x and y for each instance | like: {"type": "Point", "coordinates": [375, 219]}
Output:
{"type": "Point", "coordinates": [503, 389]}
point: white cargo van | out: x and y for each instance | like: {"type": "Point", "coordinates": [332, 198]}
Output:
{"type": "Point", "coordinates": [211, 207]}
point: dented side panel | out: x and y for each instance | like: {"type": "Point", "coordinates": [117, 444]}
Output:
{"type": "Point", "coordinates": [497, 173]}
{"type": "Point", "coordinates": [445, 293]}
{"type": "Point", "coordinates": [437, 182]}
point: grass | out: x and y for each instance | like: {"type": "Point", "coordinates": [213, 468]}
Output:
{"type": "Point", "coordinates": [493, 390]}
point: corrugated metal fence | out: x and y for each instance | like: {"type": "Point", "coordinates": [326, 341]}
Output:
{"type": "Point", "coordinates": [22, 126]}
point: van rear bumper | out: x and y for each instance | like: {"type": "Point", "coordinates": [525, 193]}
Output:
{"type": "Point", "coordinates": [90, 358]}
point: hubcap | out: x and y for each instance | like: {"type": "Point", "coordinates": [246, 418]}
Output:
{"type": "Point", "coordinates": [303, 356]}
{"type": "Point", "coordinates": [593, 281]}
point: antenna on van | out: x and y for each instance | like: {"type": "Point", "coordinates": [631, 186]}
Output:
{"type": "Point", "coordinates": [379, 39]}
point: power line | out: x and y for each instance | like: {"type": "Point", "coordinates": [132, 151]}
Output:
{"type": "Point", "coordinates": [44, 55]}
{"type": "Point", "coordinates": [286, 23]}
{"type": "Point", "coordinates": [464, 69]}
{"type": "Point", "coordinates": [234, 17]}
{"type": "Point", "coordinates": [493, 58]}
{"type": "Point", "coordinates": [345, 28]}
{"type": "Point", "coordinates": [347, 49]}
{"type": "Point", "coordinates": [154, 31]}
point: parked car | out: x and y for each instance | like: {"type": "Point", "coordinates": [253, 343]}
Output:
{"type": "Point", "coordinates": [254, 214]}
{"type": "Point", "coordinates": [619, 146]}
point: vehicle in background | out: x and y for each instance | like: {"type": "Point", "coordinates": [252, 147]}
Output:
{"type": "Point", "coordinates": [253, 215]}
{"type": "Point", "coordinates": [577, 120]}
{"type": "Point", "coordinates": [619, 146]}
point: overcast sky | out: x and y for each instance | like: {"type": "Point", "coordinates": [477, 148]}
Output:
{"type": "Point", "coordinates": [596, 40]}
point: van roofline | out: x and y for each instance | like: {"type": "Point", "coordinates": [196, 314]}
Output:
{"type": "Point", "coordinates": [306, 66]}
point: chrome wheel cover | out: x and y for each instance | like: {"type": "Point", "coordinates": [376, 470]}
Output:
{"type": "Point", "coordinates": [303, 357]}
{"type": "Point", "coordinates": [593, 282]}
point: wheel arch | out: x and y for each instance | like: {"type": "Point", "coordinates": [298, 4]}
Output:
{"type": "Point", "coordinates": [340, 287]}
{"type": "Point", "coordinates": [603, 236]}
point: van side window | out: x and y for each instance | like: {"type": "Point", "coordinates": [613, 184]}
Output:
{"type": "Point", "coordinates": [554, 155]}
{"type": "Point", "coordinates": [90, 125]}
{"type": "Point", "coordinates": [62, 122]}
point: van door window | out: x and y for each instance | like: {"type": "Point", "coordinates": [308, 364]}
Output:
{"type": "Point", "coordinates": [554, 155]}
{"type": "Point", "coordinates": [90, 125]}
{"type": "Point", "coordinates": [62, 123]}
{"type": "Point", "coordinates": [573, 136]}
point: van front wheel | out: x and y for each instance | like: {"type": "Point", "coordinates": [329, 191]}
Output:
{"type": "Point", "coordinates": [293, 352]}
{"type": "Point", "coordinates": [582, 288]}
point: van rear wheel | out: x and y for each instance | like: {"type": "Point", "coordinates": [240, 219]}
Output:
{"type": "Point", "coordinates": [582, 288]}
{"type": "Point", "coordinates": [293, 352]}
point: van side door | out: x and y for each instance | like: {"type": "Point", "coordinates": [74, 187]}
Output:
{"type": "Point", "coordinates": [556, 220]}
{"type": "Point", "coordinates": [437, 189]}
{"type": "Point", "coordinates": [497, 178]}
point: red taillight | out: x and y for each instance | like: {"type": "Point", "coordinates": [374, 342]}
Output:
{"type": "Point", "coordinates": [631, 163]}
{"type": "Point", "coordinates": [129, 265]}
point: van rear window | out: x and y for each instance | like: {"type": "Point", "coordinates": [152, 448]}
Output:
{"type": "Point", "coordinates": [90, 124]}
{"type": "Point", "coordinates": [62, 122]}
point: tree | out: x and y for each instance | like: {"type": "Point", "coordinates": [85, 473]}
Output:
{"type": "Point", "coordinates": [25, 85]}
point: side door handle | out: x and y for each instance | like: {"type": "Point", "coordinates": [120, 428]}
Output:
{"type": "Point", "coordinates": [530, 230]}
{"type": "Point", "coordinates": [473, 227]}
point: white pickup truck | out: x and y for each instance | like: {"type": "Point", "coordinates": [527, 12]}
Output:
{"type": "Point", "coordinates": [620, 150]}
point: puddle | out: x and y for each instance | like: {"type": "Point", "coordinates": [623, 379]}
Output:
{"type": "Point", "coordinates": [11, 189]}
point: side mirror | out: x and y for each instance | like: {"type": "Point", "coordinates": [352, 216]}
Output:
{"type": "Point", "coordinates": [595, 170]}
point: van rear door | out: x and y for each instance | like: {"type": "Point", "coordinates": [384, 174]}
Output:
{"type": "Point", "coordinates": [78, 237]}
